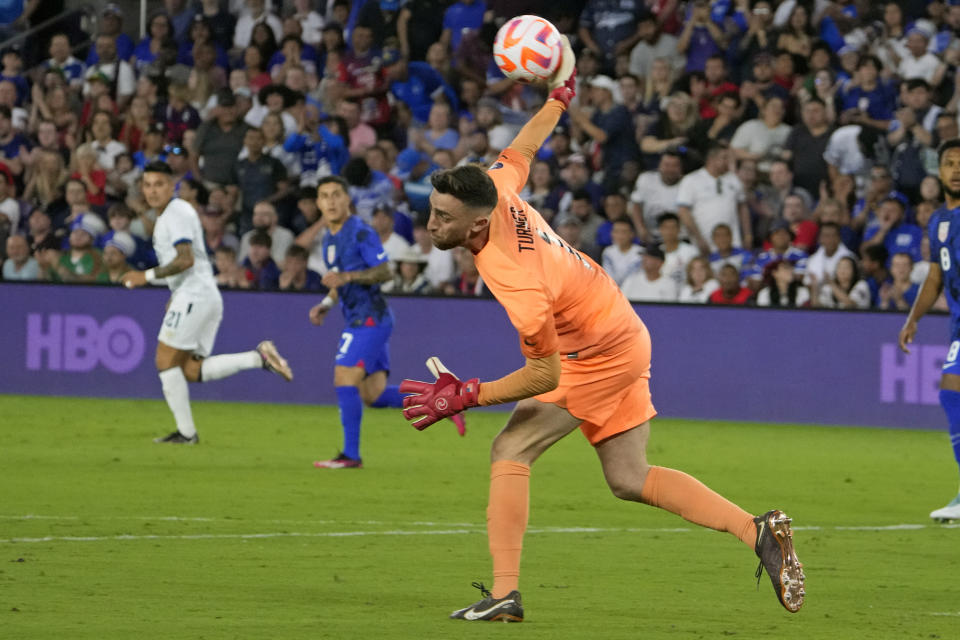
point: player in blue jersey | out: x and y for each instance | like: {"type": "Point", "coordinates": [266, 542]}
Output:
{"type": "Point", "coordinates": [944, 275]}
{"type": "Point", "coordinates": [357, 264]}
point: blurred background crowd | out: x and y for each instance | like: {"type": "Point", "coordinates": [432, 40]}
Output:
{"type": "Point", "coordinates": [724, 151]}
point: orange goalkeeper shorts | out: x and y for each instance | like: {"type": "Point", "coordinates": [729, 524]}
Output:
{"type": "Point", "coordinates": [609, 392]}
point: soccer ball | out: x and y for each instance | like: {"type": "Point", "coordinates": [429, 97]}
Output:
{"type": "Point", "coordinates": [527, 48]}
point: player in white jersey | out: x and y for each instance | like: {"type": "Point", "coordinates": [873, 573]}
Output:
{"type": "Point", "coordinates": [195, 309]}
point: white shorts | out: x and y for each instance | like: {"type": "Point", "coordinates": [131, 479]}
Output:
{"type": "Point", "coordinates": [191, 323]}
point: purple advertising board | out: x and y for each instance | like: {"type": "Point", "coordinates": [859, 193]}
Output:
{"type": "Point", "coordinates": [804, 366]}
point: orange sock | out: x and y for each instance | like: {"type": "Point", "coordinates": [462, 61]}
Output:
{"type": "Point", "coordinates": [692, 500]}
{"type": "Point", "coordinates": [507, 515]}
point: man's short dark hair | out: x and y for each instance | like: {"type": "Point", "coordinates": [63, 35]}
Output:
{"type": "Point", "coordinates": [469, 184]}
{"type": "Point", "coordinates": [581, 194]}
{"type": "Point", "coordinates": [830, 225]}
{"type": "Point", "coordinates": [225, 248]}
{"type": "Point", "coordinates": [877, 252]}
{"type": "Point", "coordinates": [157, 166]}
{"type": "Point", "coordinates": [871, 59]}
{"type": "Point", "coordinates": [946, 145]}
{"type": "Point", "coordinates": [715, 147]}
{"type": "Point", "coordinates": [917, 83]}
{"type": "Point", "coordinates": [334, 180]}
{"type": "Point", "coordinates": [627, 221]}
{"type": "Point", "coordinates": [261, 238]}
{"type": "Point", "coordinates": [296, 251]}
{"type": "Point", "coordinates": [815, 100]}
{"type": "Point", "coordinates": [203, 194]}
{"type": "Point", "coordinates": [667, 215]}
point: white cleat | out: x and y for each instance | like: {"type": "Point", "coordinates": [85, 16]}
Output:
{"type": "Point", "coordinates": [273, 361]}
{"type": "Point", "coordinates": [949, 512]}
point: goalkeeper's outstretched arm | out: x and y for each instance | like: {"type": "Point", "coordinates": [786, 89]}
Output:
{"type": "Point", "coordinates": [562, 89]}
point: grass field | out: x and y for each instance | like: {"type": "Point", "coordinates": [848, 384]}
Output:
{"type": "Point", "coordinates": [106, 535]}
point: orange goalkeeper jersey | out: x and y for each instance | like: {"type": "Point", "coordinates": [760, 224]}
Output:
{"type": "Point", "coordinates": [558, 299]}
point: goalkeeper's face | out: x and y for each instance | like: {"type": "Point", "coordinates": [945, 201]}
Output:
{"type": "Point", "coordinates": [452, 223]}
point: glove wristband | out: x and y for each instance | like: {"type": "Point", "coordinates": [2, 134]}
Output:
{"type": "Point", "coordinates": [470, 393]}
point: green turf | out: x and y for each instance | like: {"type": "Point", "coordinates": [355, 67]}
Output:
{"type": "Point", "coordinates": [173, 555]}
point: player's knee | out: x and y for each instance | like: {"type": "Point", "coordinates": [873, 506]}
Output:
{"type": "Point", "coordinates": [626, 487]}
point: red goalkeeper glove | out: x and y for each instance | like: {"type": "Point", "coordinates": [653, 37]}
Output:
{"type": "Point", "coordinates": [434, 401]}
{"type": "Point", "coordinates": [563, 84]}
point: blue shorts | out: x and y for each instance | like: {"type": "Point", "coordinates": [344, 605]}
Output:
{"type": "Point", "coordinates": [367, 347]}
{"type": "Point", "coordinates": [952, 364]}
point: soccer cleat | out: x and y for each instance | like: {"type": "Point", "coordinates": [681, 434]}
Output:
{"type": "Point", "coordinates": [775, 549]}
{"type": "Point", "coordinates": [506, 609]}
{"type": "Point", "coordinates": [272, 360]}
{"type": "Point", "coordinates": [949, 512]}
{"type": "Point", "coordinates": [340, 462]}
{"type": "Point", "coordinates": [461, 423]}
{"type": "Point", "coordinates": [178, 438]}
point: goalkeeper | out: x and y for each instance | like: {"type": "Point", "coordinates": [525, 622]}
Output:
{"type": "Point", "coordinates": [587, 367]}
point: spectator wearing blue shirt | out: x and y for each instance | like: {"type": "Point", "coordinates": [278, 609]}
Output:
{"type": "Point", "coordinates": [111, 24]}
{"type": "Point", "coordinates": [61, 60]}
{"type": "Point", "coordinates": [459, 18]}
{"type": "Point", "coordinates": [262, 272]}
{"type": "Point", "coordinates": [414, 168]}
{"type": "Point", "coordinates": [296, 276]}
{"type": "Point", "coordinates": [611, 27]}
{"type": "Point", "coordinates": [12, 72]}
{"type": "Point", "coordinates": [892, 232]}
{"type": "Point", "coordinates": [322, 154]}
{"type": "Point", "coordinates": [899, 292]}
{"type": "Point", "coordinates": [119, 217]}
{"type": "Point", "coordinates": [416, 84]}
{"type": "Point", "coordinates": [700, 38]}
{"type": "Point", "coordinates": [612, 128]}
{"type": "Point", "coordinates": [867, 99]}
{"type": "Point", "coordinates": [368, 189]}
{"type": "Point", "coordinates": [201, 31]}
{"type": "Point", "coordinates": [755, 93]}
{"type": "Point", "coordinates": [873, 265]}
{"type": "Point", "coordinates": [11, 142]}
{"type": "Point", "coordinates": [159, 34]}
{"type": "Point", "coordinates": [438, 134]}
{"type": "Point", "coordinates": [181, 17]}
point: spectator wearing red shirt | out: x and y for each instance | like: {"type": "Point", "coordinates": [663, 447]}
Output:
{"type": "Point", "coordinates": [86, 169]}
{"type": "Point", "coordinates": [363, 78]}
{"type": "Point", "coordinates": [731, 292]}
{"type": "Point", "coordinates": [715, 72]}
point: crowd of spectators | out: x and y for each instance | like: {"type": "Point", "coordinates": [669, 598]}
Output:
{"type": "Point", "coordinates": [725, 151]}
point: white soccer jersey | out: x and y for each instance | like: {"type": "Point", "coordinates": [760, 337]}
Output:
{"type": "Point", "coordinates": [178, 223]}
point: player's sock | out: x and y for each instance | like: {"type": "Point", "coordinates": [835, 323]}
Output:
{"type": "Point", "coordinates": [692, 500]}
{"type": "Point", "coordinates": [177, 394]}
{"type": "Point", "coordinates": [351, 411]}
{"type": "Point", "coordinates": [950, 401]}
{"type": "Point", "coordinates": [227, 364]}
{"type": "Point", "coordinates": [389, 398]}
{"type": "Point", "coordinates": [507, 514]}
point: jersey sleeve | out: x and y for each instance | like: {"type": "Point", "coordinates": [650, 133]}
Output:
{"type": "Point", "coordinates": [685, 193]}
{"type": "Point", "coordinates": [528, 305]}
{"type": "Point", "coordinates": [181, 229]}
{"type": "Point", "coordinates": [509, 172]}
{"type": "Point", "coordinates": [370, 248]}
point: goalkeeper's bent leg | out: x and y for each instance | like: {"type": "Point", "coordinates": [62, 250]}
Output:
{"type": "Point", "coordinates": [507, 514]}
{"type": "Point", "coordinates": [684, 495]}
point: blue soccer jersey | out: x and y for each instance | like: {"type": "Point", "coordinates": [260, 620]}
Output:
{"type": "Point", "coordinates": [944, 233]}
{"type": "Point", "coordinates": [356, 247]}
